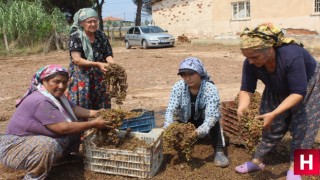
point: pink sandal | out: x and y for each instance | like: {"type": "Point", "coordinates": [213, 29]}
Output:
{"type": "Point", "coordinates": [292, 176]}
{"type": "Point", "coordinates": [249, 167]}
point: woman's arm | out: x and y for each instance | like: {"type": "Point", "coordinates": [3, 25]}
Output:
{"type": "Point", "coordinates": [65, 128]}
{"type": "Point", "coordinates": [286, 104]}
{"type": "Point", "coordinates": [211, 112]}
{"type": "Point", "coordinates": [78, 60]}
{"type": "Point", "coordinates": [244, 102]}
{"type": "Point", "coordinates": [81, 112]}
{"type": "Point", "coordinates": [173, 104]}
{"type": "Point", "coordinates": [110, 59]}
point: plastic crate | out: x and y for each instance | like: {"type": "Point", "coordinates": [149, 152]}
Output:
{"type": "Point", "coordinates": [143, 123]}
{"type": "Point", "coordinates": [230, 122]}
{"type": "Point", "coordinates": [143, 162]}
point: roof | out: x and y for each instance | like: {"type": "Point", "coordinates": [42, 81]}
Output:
{"type": "Point", "coordinates": [155, 1]}
{"type": "Point", "coordinates": [110, 18]}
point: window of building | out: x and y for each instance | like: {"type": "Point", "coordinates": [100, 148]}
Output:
{"type": "Point", "coordinates": [317, 6]}
{"type": "Point", "coordinates": [241, 10]}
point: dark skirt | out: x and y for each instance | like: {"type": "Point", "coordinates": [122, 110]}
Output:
{"type": "Point", "coordinates": [302, 121]}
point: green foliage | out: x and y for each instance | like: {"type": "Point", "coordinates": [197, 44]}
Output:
{"type": "Point", "coordinates": [27, 23]}
{"type": "Point", "coordinates": [109, 23]}
{"type": "Point", "coordinates": [115, 24]}
{"type": "Point", "coordinates": [146, 22]}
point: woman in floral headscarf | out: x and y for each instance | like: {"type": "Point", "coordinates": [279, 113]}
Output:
{"type": "Point", "coordinates": [290, 100]}
{"type": "Point", "coordinates": [44, 127]}
{"type": "Point", "coordinates": [90, 53]}
{"type": "Point", "coordinates": [195, 99]}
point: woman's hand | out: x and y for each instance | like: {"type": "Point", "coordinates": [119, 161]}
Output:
{"type": "Point", "coordinates": [267, 120]}
{"type": "Point", "coordinates": [99, 112]}
{"type": "Point", "coordinates": [100, 123]}
{"type": "Point", "coordinates": [239, 113]}
{"type": "Point", "coordinates": [195, 134]}
{"type": "Point", "coordinates": [103, 67]}
{"type": "Point", "coordinates": [243, 103]}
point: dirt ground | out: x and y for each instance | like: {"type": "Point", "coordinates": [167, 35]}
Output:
{"type": "Point", "coordinates": [151, 74]}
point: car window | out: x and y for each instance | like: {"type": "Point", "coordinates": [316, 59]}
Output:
{"type": "Point", "coordinates": [147, 30]}
{"type": "Point", "coordinates": [157, 29]}
{"type": "Point", "coordinates": [136, 31]}
{"type": "Point", "coordinates": [130, 31]}
{"type": "Point", "coordinates": [151, 29]}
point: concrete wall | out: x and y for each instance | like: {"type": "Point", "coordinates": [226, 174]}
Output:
{"type": "Point", "coordinates": [213, 19]}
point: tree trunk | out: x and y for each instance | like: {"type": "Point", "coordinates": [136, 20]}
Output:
{"type": "Point", "coordinates": [47, 44]}
{"type": "Point", "coordinates": [57, 38]}
{"type": "Point", "coordinates": [138, 13]}
{"type": "Point", "coordinates": [99, 10]}
{"type": "Point", "coordinates": [5, 40]}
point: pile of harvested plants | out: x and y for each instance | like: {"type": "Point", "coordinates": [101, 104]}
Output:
{"type": "Point", "coordinates": [116, 81]}
{"type": "Point", "coordinates": [179, 140]}
{"type": "Point", "coordinates": [251, 128]}
{"type": "Point", "coordinates": [109, 137]}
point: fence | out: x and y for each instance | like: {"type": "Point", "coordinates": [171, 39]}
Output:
{"type": "Point", "coordinates": [116, 32]}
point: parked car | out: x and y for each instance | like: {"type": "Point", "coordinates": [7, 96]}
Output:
{"type": "Point", "coordinates": [148, 36]}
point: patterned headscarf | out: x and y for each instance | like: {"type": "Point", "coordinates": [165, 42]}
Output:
{"type": "Point", "coordinates": [264, 36]}
{"type": "Point", "coordinates": [37, 85]}
{"type": "Point", "coordinates": [80, 16]}
{"type": "Point", "coordinates": [194, 64]}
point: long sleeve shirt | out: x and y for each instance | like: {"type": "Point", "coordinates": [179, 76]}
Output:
{"type": "Point", "coordinates": [206, 106]}
{"type": "Point", "coordinates": [294, 67]}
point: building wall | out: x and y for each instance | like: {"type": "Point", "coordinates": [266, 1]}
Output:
{"type": "Point", "coordinates": [283, 13]}
{"type": "Point", "coordinates": [193, 18]}
{"type": "Point", "coordinates": [210, 18]}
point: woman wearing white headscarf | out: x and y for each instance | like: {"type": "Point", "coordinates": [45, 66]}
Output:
{"type": "Point", "coordinates": [90, 53]}
{"type": "Point", "coordinates": [195, 99]}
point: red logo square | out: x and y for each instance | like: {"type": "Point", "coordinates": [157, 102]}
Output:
{"type": "Point", "coordinates": [307, 162]}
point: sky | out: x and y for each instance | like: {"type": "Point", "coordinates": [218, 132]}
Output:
{"type": "Point", "coordinates": [124, 9]}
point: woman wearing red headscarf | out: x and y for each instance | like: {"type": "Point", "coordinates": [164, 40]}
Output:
{"type": "Point", "coordinates": [44, 127]}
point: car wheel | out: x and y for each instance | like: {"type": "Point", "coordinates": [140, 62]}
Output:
{"type": "Point", "coordinates": [145, 44]}
{"type": "Point", "coordinates": [127, 45]}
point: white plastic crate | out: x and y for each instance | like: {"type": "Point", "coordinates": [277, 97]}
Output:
{"type": "Point", "coordinates": [143, 162]}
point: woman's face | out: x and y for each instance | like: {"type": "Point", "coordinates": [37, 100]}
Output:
{"type": "Point", "coordinates": [193, 80]}
{"type": "Point", "coordinates": [257, 57]}
{"type": "Point", "coordinates": [90, 24]}
{"type": "Point", "coordinates": [56, 86]}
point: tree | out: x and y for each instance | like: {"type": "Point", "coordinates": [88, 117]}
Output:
{"type": "Point", "coordinates": [109, 23]}
{"type": "Point", "coordinates": [146, 22]}
{"type": "Point", "coordinates": [115, 24]}
{"type": "Point", "coordinates": [99, 10]}
{"type": "Point", "coordinates": [142, 5]}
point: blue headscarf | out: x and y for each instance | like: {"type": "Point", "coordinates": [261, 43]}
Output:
{"type": "Point", "coordinates": [194, 64]}
{"type": "Point", "coordinates": [80, 16]}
